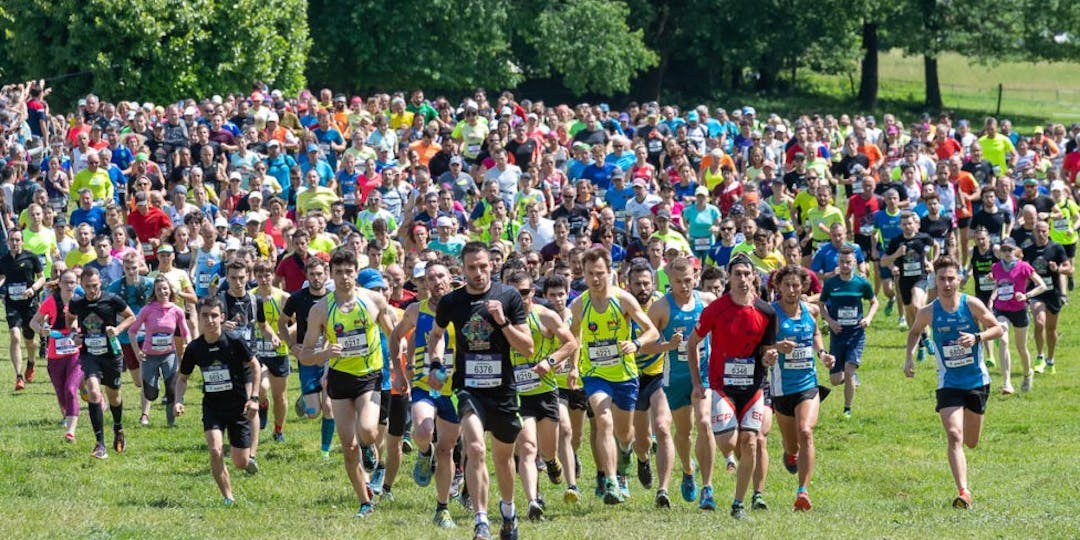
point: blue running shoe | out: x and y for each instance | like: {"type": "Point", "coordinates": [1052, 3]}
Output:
{"type": "Point", "coordinates": [689, 488]}
{"type": "Point", "coordinates": [707, 502]}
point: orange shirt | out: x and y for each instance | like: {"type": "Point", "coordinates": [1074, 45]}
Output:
{"type": "Point", "coordinates": [873, 154]}
{"type": "Point", "coordinates": [707, 161]}
{"type": "Point", "coordinates": [965, 183]}
{"type": "Point", "coordinates": [426, 151]}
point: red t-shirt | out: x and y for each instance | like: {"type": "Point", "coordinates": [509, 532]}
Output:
{"type": "Point", "coordinates": [293, 270]}
{"type": "Point", "coordinates": [49, 309]}
{"type": "Point", "coordinates": [1071, 165]}
{"type": "Point", "coordinates": [861, 209]}
{"type": "Point", "coordinates": [946, 149]}
{"type": "Point", "coordinates": [738, 332]}
{"type": "Point", "coordinates": [149, 226]}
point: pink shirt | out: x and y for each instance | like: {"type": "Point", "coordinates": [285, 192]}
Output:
{"type": "Point", "coordinates": [1010, 282]}
{"type": "Point", "coordinates": [162, 323]}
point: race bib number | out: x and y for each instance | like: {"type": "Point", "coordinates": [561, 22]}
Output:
{"type": "Point", "coordinates": [265, 349]}
{"type": "Point", "coordinates": [604, 353]}
{"type": "Point", "coordinates": [97, 345]}
{"type": "Point", "coordinates": [800, 358]}
{"type": "Point", "coordinates": [1061, 224]}
{"type": "Point", "coordinates": [65, 346]}
{"type": "Point", "coordinates": [161, 342]}
{"type": "Point", "coordinates": [16, 291]}
{"type": "Point", "coordinates": [856, 187]}
{"type": "Point", "coordinates": [739, 372]}
{"type": "Point", "coordinates": [913, 268]}
{"type": "Point", "coordinates": [216, 378]}
{"type": "Point", "coordinates": [204, 280]}
{"type": "Point", "coordinates": [847, 316]}
{"type": "Point", "coordinates": [473, 148]}
{"type": "Point", "coordinates": [702, 244]}
{"type": "Point", "coordinates": [147, 249]}
{"type": "Point", "coordinates": [350, 198]}
{"type": "Point", "coordinates": [1006, 291]}
{"type": "Point", "coordinates": [956, 355]}
{"type": "Point", "coordinates": [525, 379]}
{"type": "Point", "coordinates": [483, 371]}
{"type": "Point", "coordinates": [354, 344]}
{"type": "Point", "coordinates": [986, 283]}
{"type": "Point", "coordinates": [866, 230]}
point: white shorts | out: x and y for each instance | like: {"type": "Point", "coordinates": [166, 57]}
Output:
{"type": "Point", "coordinates": [745, 412]}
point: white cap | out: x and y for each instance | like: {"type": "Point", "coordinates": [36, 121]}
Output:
{"type": "Point", "coordinates": [221, 222]}
{"type": "Point", "coordinates": [1058, 185]}
{"type": "Point", "coordinates": [190, 111]}
{"type": "Point", "coordinates": [418, 269]}
{"type": "Point", "coordinates": [272, 117]}
{"type": "Point", "coordinates": [232, 244]}
{"type": "Point", "coordinates": [216, 100]}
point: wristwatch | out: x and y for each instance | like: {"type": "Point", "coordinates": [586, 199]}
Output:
{"type": "Point", "coordinates": [254, 399]}
{"type": "Point", "coordinates": [978, 338]}
{"type": "Point", "coordinates": [636, 343]}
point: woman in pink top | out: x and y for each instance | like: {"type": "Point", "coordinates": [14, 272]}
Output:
{"type": "Point", "coordinates": [64, 369]}
{"type": "Point", "coordinates": [166, 336]}
{"type": "Point", "coordinates": [1009, 300]}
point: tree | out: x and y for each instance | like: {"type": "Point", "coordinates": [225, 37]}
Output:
{"type": "Point", "coordinates": [157, 49]}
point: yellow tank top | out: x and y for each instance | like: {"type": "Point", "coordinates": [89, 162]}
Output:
{"type": "Point", "coordinates": [713, 179]}
{"type": "Point", "coordinates": [560, 374]}
{"type": "Point", "coordinates": [271, 308]}
{"type": "Point", "coordinates": [648, 364]}
{"type": "Point", "coordinates": [527, 382]}
{"type": "Point", "coordinates": [358, 336]}
{"type": "Point", "coordinates": [425, 321]}
{"type": "Point", "coordinates": [601, 333]}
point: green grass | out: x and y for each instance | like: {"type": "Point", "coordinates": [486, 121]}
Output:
{"type": "Point", "coordinates": [882, 474]}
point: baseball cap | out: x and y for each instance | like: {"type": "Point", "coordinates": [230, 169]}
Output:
{"type": "Point", "coordinates": [1031, 182]}
{"type": "Point", "coordinates": [418, 269]}
{"type": "Point", "coordinates": [664, 214]}
{"type": "Point", "coordinates": [701, 190]}
{"type": "Point", "coordinates": [221, 222]}
{"type": "Point", "coordinates": [272, 117]}
{"type": "Point", "coordinates": [235, 175]}
{"type": "Point", "coordinates": [444, 221]}
{"type": "Point", "coordinates": [232, 244]}
{"type": "Point", "coordinates": [141, 156]}
{"type": "Point", "coordinates": [273, 143]}
{"type": "Point", "coordinates": [692, 116]}
{"type": "Point", "coordinates": [1058, 185]}
{"type": "Point", "coordinates": [237, 221]}
{"type": "Point", "coordinates": [312, 148]}
{"type": "Point", "coordinates": [580, 146]}
{"type": "Point", "coordinates": [640, 182]}
{"type": "Point", "coordinates": [1008, 241]}
{"type": "Point", "coordinates": [165, 248]}
{"type": "Point", "coordinates": [370, 278]}
{"type": "Point", "coordinates": [61, 220]}
{"type": "Point", "coordinates": [190, 111]}
{"type": "Point", "coordinates": [456, 160]}
{"type": "Point", "coordinates": [748, 110]}
{"type": "Point", "coordinates": [180, 189]}
{"type": "Point", "coordinates": [618, 173]}
{"type": "Point", "coordinates": [131, 115]}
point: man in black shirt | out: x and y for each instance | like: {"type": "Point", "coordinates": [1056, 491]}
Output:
{"type": "Point", "coordinates": [1050, 262]}
{"type": "Point", "coordinates": [578, 217]}
{"type": "Point", "coordinates": [912, 252]}
{"type": "Point", "coordinates": [522, 147]}
{"type": "Point", "coordinates": [490, 320]}
{"type": "Point", "coordinates": [230, 400]}
{"type": "Point", "coordinates": [22, 278]}
{"type": "Point", "coordinates": [991, 217]}
{"type": "Point", "coordinates": [313, 396]}
{"type": "Point", "coordinates": [97, 318]}
{"type": "Point", "coordinates": [1042, 203]}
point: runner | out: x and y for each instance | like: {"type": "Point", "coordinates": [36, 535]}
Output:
{"type": "Point", "coordinates": [1010, 301]}
{"type": "Point", "coordinates": [241, 318]}
{"type": "Point", "coordinates": [736, 369]}
{"type": "Point", "coordinates": [349, 321]}
{"type": "Point", "coordinates": [313, 399]}
{"type": "Point", "coordinates": [677, 313]}
{"type": "Point", "coordinates": [135, 290]}
{"type": "Point", "coordinates": [489, 319]}
{"type": "Point", "coordinates": [21, 277]}
{"type": "Point", "coordinates": [63, 356]}
{"type": "Point", "coordinates": [792, 379]}
{"type": "Point", "coordinates": [887, 222]}
{"type": "Point", "coordinates": [230, 392]}
{"type": "Point", "coordinates": [841, 307]}
{"type": "Point", "coordinates": [963, 381]}
{"type": "Point", "coordinates": [166, 325]}
{"type": "Point", "coordinates": [912, 251]}
{"type": "Point", "coordinates": [98, 318]}
{"type": "Point", "coordinates": [572, 401]}
{"type": "Point", "coordinates": [534, 379]}
{"type": "Point", "coordinates": [652, 418]}
{"type": "Point", "coordinates": [608, 368]}
{"type": "Point", "coordinates": [271, 350]}
{"type": "Point", "coordinates": [1051, 262]}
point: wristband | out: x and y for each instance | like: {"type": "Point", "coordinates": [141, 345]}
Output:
{"type": "Point", "coordinates": [636, 343]}
{"type": "Point", "coordinates": [503, 325]}
{"type": "Point", "coordinates": [254, 399]}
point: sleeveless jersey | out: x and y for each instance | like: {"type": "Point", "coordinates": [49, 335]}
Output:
{"type": "Point", "coordinates": [677, 368]}
{"type": "Point", "coordinates": [271, 312]}
{"type": "Point", "coordinates": [425, 321]}
{"type": "Point", "coordinates": [958, 366]}
{"type": "Point", "coordinates": [782, 210]}
{"type": "Point", "coordinates": [794, 372]}
{"type": "Point", "coordinates": [526, 381]}
{"type": "Point", "coordinates": [358, 336]}
{"type": "Point", "coordinates": [647, 364]}
{"type": "Point", "coordinates": [600, 337]}
{"type": "Point", "coordinates": [560, 374]}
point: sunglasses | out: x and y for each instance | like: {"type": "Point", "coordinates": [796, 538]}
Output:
{"type": "Point", "coordinates": [525, 292]}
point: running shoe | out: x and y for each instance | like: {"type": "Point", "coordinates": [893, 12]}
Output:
{"type": "Point", "coordinates": [611, 493]}
{"type": "Point", "coordinates": [600, 486]}
{"type": "Point", "coordinates": [325, 454]}
{"type": "Point", "coordinates": [738, 511]}
{"type": "Point", "coordinates": [929, 346]}
{"type": "Point", "coordinates": [30, 374]}
{"type": "Point", "coordinates": [1007, 389]}
{"type": "Point", "coordinates": [791, 463]}
{"type": "Point", "coordinates": [541, 465]}
{"type": "Point", "coordinates": [922, 354]}
{"type": "Point", "coordinates": [387, 495]}
{"type": "Point", "coordinates": [757, 502]}
{"type": "Point", "coordinates": [509, 529]}
{"type": "Point", "coordinates": [577, 467]}
{"type": "Point", "coordinates": [990, 361]}
{"type": "Point", "coordinates": [689, 488]}
{"type": "Point", "coordinates": [536, 512]}
{"type": "Point", "coordinates": [1025, 385]}
{"type": "Point", "coordinates": [731, 463]}
{"type": "Point", "coordinates": [422, 470]}
{"type": "Point", "coordinates": [1039, 367]}
{"type": "Point", "coordinates": [464, 498]}
{"type": "Point", "coordinates": [644, 473]}
{"type": "Point", "coordinates": [572, 495]}
{"type": "Point", "coordinates": [69, 437]}
{"type": "Point", "coordinates": [555, 471]}
{"type": "Point", "coordinates": [802, 502]}
{"type": "Point", "coordinates": [252, 466]}
{"type": "Point", "coordinates": [902, 322]}
{"type": "Point", "coordinates": [847, 413]}
{"type": "Point", "coordinates": [369, 458]}
{"type": "Point", "coordinates": [100, 452]}
{"type": "Point", "coordinates": [229, 502]}
{"type": "Point", "coordinates": [443, 520]}
{"type": "Point", "coordinates": [366, 509]}
{"type": "Point", "coordinates": [83, 394]}
{"type": "Point", "coordinates": [144, 420]}
{"type": "Point", "coordinates": [623, 467]}
{"type": "Point", "coordinates": [119, 442]}
{"type": "Point", "coordinates": [455, 484]}
{"type": "Point", "coordinates": [652, 444]}
{"type": "Point", "coordinates": [1050, 369]}
{"type": "Point", "coordinates": [299, 407]}
{"type": "Point", "coordinates": [889, 307]}
{"type": "Point", "coordinates": [707, 502]}
{"type": "Point", "coordinates": [19, 383]}
{"type": "Point", "coordinates": [407, 444]}
{"type": "Point", "coordinates": [662, 500]}
{"type": "Point", "coordinates": [963, 500]}
{"type": "Point", "coordinates": [624, 485]}
{"type": "Point", "coordinates": [377, 478]}
{"type": "Point", "coordinates": [481, 531]}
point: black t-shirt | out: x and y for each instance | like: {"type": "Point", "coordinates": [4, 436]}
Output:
{"type": "Point", "coordinates": [241, 311]}
{"type": "Point", "coordinates": [980, 268]}
{"type": "Point", "coordinates": [578, 217]}
{"type": "Point", "coordinates": [523, 152]}
{"type": "Point", "coordinates": [654, 136]}
{"type": "Point", "coordinates": [918, 250]}
{"type": "Point", "coordinates": [795, 181]}
{"type": "Point", "coordinates": [1041, 257]}
{"type": "Point", "coordinates": [298, 306]}
{"type": "Point", "coordinates": [901, 191]}
{"type": "Point", "coordinates": [592, 137]}
{"type": "Point", "coordinates": [938, 229]}
{"type": "Point", "coordinates": [93, 316]}
{"type": "Point", "coordinates": [341, 229]}
{"type": "Point", "coordinates": [481, 348]}
{"type": "Point", "coordinates": [1042, 203]}
{"type": "Point", "coordinates": [994, 223]}
{"type": "Point", "coordinates": [226, 369]}
{"type": "Point", "coordinates": [1025, 238]}
{"type": "Point", "coordinates": [982, 172]}
{"type": "Point", "coordinates": [20, 272]}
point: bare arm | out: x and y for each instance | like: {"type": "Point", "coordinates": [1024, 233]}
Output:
{"type": "Point", "coordinates": [633, 310]}
{"type": "Point", "coordinates": [922, 320]}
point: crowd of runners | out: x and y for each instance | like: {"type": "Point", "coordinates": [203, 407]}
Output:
{"type": "Point", "coordinates": [435, 270]}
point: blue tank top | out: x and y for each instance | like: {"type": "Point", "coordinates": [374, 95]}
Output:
{"type": "Point", "coordinates": [958, 367]}
{"type": "Point", "coordinates": [677, 369]}
{"type": "Point", "coordinates": [794, 372]}
{"type": "Point", "coordinates": [385, 346]}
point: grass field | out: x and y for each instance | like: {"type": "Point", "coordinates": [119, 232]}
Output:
{"type": "Point", "coordinates": [881, 474]}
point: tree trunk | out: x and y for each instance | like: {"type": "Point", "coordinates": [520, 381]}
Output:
{"type": "Point", "coordinates": [933, 85]}
{"type": "Point", "coordinates": [736, 77]}
{"type": "Point", "coordinates": [868, 80]}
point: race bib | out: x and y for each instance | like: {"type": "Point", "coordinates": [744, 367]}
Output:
{"type": "Point", "coordinates": [856, 187]}
{"type": "Point", "coordinates": [739, 372]}
{"type": "Point", "coordinates": [473, 148]}
{"type": "Point", "coordinates": [847, 316]}
{"type": "Point", "coordinates": [1061, 224]}
{"type": "Point", "coordinates": [161, 342]}
{"type": "Point", "coordinates": [1006, 291]}
{"type": "Point", "coordinates": [800, 358]}
{"type": "Point", "coordinates": [525, 379]}
{"type": "Point", "coordinates": [986, 283]}
{"type": "Point", "coordinates": [702, 244]}
{"type": "Point", "coordinates": [265, 348]}
{"type": "Point", "coordinates": [350, 198]}
{"type": "Point", "coordinates": [65, 346]}
{"type": "Point", "coordinates": [354, 343]}
{"type": "Point", "coordinates": [97, 344]}
{"type": "Point", "coordinates": [957, 356]}
{"type": "Point", "coordinates": [147, 249]}
{"type": "Point", "coordinates": [216, 378]}
{"type": "Point", "coordinates": [604, 353]}
{"type": "Point", "coordinates": [204, 280]}
{"type": "Point", "coordinates": [913, 268]}
{"type": "Point", "coordinates": [866, 230]}
{"type": "Point", "coordinates": [16, 291]}
{"type": "Point", "coordinates": [483, 371]}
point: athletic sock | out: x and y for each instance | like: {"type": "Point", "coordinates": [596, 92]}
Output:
{"type": "Point", "coordinates": [481, 517]}
{"type": "Point", "coordinates": [736, 503]}
{"type": "Point", "coordinates": [327, 433]}
{"type": "Point", "coordinates": [439, 507]}
{"type": "Point", "coordinates": [97, 421]}
{"type": "Point", "coordinates": [802, 489]}
{"type": "Point", "coordinates": [117, 415]}
{"type": "Point", "coordinates": [263, 414]}
{"type": "Point", "coordinates": [507, 510]}
{"type": "Point", "coordinates": [278, 428]}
